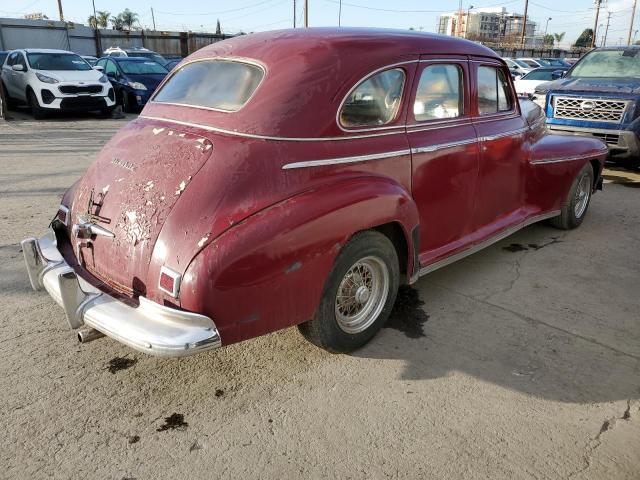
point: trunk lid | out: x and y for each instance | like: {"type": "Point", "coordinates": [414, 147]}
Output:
{"type": "Point", "coordinates": [130, 190]}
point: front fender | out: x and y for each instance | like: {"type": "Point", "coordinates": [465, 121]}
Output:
{"type": "Point", "coordinates": [268, 271]}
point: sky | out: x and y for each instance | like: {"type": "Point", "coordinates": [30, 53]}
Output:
{"type": "Point", "coordinates": [570, 16]}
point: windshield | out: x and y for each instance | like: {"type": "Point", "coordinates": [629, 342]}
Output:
{"type": "Point", "coordinates": [141, 68]}
{"type": "Point", "coordinates": [521, 63]}
{"type": "Point", "coordinates": [156, 57]}
{"type": "Point", "coordinates": [609, 63]}
{"type": "Point", "coordinates": [218, 84]}
{"type": "Point", "coordinates": [57, 61]}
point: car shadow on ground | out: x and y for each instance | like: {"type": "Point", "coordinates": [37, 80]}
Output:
{"type": "Point", "coordinates": [466, 319]}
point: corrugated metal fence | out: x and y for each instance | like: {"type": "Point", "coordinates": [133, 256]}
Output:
{"type": "Point", "coordinates": [19, 33]}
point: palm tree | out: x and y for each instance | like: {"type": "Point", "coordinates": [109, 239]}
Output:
{"type": "Point", "coordinates": [559, 37]}
{"type": "Point", "coordinates": [103, 18]}
{"type": "Point", "coordinates": [129, 18]}
{"type": "Point", "coordinates": [116, 22]}
{"type": "Point", "coordinates": [92, 22]}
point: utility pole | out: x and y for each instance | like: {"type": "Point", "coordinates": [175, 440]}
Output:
{"type": "Point", "coordinates": [340, 14]}
{"type": "Point", "coordinates": [606, 31]}
{"type": "Point", "coordinates": [60, 10]}
{"type": "Point", "coordinates": [459, 25]}
{"type": "Point", "coordinates": [524, 22]}
{"type": "Point", "coordinates": [153, 18]}
{"type": "Point", "coordinates": [306, 13]}
{"type": "Point", "coordinates": [595, 24]}
{"type": "Point", "coordinates": [96, 32]}
{"type": "Point", "coordinates": [294, 13]}
{"type": "Point", "coordinates": [633, 14]}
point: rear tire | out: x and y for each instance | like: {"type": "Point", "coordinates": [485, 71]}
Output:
{"type": "Point", "coordinates": [37, 111]}
{"type": "Point", "coordinates": [358, 295]}
{"type": "Point", "coordinates": [575, 205]}
{"type": "Point", "coordinates": [126, 103]}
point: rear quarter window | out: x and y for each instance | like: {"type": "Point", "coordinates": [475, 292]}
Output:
{"type": "Point", "coordinates": [216, 84]}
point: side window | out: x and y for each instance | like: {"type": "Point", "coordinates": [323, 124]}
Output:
{"type": "Point", "coordinates": [101, 63]}
{"type": "Point", "coordinates": [439, 93]}
{"type": "Point", "coordinates": [375, 101]}
{"type": "Point", "coordinates": [111, 68]}
{"type": "Point", "coordinates": [494, 94]}
{"type": "Point", "coordinates": [12, 59]}
{"type": "Point", "coordinates": [21, 61]}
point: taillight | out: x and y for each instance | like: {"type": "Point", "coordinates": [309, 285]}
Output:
{"type": "Point", "coordinates": [169, 281]}
{"type": "Point", "coordinates": [63, 215]}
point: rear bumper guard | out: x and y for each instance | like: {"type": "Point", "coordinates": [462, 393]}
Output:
{"type": "Point", "coordinates": [151, 328]}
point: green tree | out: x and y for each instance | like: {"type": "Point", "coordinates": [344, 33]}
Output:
{"type": "Point", "coordinates": [93, 23]}
{"type": "Point", "coordinates": [585, 39]}
{"type": "Point", "coordinates": [116, 23]}
{"type": "Point", "coordinates": [129, 19]}
{"type": "Point", "coordinates": [559, 37]}
{"type": "Point", "coordinates": [103, 18]}
{"type": "Point", "coordinates": [548, 40]}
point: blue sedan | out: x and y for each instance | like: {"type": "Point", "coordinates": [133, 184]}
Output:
{"type": "Point", "coordinates": [133, 78]}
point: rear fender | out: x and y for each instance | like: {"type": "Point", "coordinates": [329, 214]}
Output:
{"type": "Point", "coordinates": [268, 272]}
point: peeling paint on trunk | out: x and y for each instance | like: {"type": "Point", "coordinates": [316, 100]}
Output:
{"type": "Point", "coordinates": [138, 191]}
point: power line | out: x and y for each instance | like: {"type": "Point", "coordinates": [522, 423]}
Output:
{"type": "Point", "coordinates": [218, 12]}
{"type": "Point", "coordinates": [388, 10]}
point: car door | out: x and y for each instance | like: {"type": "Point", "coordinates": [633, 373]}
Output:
{"type": "Point", "coordinates": [444, 155]}
{"type": "Point", "coordinates": [501, 131]}
{"type": "Point", "coordinates": [21, 78]}
{"type": "Point", "coordinates": [9, 75]}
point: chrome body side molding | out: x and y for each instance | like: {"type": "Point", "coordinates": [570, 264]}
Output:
{"type": "Point", "coordinates": [485, 243]}
{"type": "Point", "coordinates": [341, 160]}
{"type": "Point", "coordinates": [571, 158]}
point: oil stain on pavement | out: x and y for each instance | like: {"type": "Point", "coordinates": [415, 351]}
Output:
{"type": "Point", "coordinates": [120, 363]}
{"type": "Point", "coordinates": [519, 247]}
{"type": "Point", "coordinates": [407, 315]}
{"type": "Point", "coordinates": [174, 422]}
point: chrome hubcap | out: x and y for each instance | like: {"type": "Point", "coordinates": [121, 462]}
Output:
{"type": "Point", "coordinates": [362, 294]}
{"type": "Point", "coordinates": [582, 196]}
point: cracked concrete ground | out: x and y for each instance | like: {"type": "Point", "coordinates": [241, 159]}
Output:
{"type": "Point", "coordinates": [523, 362]}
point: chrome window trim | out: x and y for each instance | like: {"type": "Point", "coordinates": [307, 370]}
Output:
{"type": "Point", "coordinates": [171, 74]}
{"type": "Point", "coordinates": [459, 121]}
{"type": "Point", "coordinates": [486, 243]}
{"type": "Point", "coordinates": [496, 116]}
{"type": "Point", "coordinates": [457, 63]}
{"type": "Point", "coordinates": [176, 281]}
{"type": "Point", "coordinates": [357, 84]}
{"type": "Point", "coordinates": [269, 137]}
{"type": "Point", "coordinates": [343, 160]}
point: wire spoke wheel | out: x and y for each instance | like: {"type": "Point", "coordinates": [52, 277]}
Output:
{"type": "Point", "coordinates": [582, 195]}
{"type": "Point", "coordinates": [362, 294]}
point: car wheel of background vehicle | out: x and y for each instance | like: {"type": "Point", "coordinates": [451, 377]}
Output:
{"type": "Point", "coordinates": [126, 103]}
{"type": "Point", "coordinates": [106, 112]}
{"type": "Point", "coordinates": [574, 207]}
{"type": "Point", "coordinates": [11, 104]}
{"type": "Point", "coordinates": [358, 295]}
{"type": "Point", "coordinates": [631, 163]}
{"type": "Point", "coordinates": [36, 110]}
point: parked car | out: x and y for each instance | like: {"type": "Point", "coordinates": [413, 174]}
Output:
{"type": "Point", "coordinates": [526, 85]}
{"type": "Point", "coordinates": [135, 52]}
{"type": "Point", "coordinates": [571, 61]}
{"type": "Point", "coordinates": [530, 62]}
{"type": "Point", "coordinates": [600, 96]}
{"type": "Point", "coordinates": [520, 67]}
{"type": "Point", "coordinates": [133, 78]}
{"type": "Point", "coordinates": [3, 55]}
{"type": "Point", "coordinates": [91, 60]}
{"type": "Point", "coordinates": [55, 80]}
{"type": "Point", "coordinates": [171, 64]}
{"type": "Point", "coordinates": [254, 193]}
{"type": "Point", "coordinates": [553, 62]}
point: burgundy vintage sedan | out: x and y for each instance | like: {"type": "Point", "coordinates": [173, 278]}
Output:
{"type": "Point", "coordinates": [298, 177]}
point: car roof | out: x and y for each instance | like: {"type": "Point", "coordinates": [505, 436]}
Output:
{"type": "Point", "coordinates": [308, 73]}
{"type": "Point", "coordinates": [45, 50]}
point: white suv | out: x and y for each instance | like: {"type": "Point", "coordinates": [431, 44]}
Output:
{"type": "Point", "coordinates": [55, 80]}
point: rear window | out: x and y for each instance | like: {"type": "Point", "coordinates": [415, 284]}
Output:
{"type": "Point", "coordinates": [142, 68]}
{"type": "Point", "coordinates": [218, 84]}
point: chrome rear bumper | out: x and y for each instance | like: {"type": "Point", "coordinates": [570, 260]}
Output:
{"type": "Point", "coordinates": [151, 328]}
